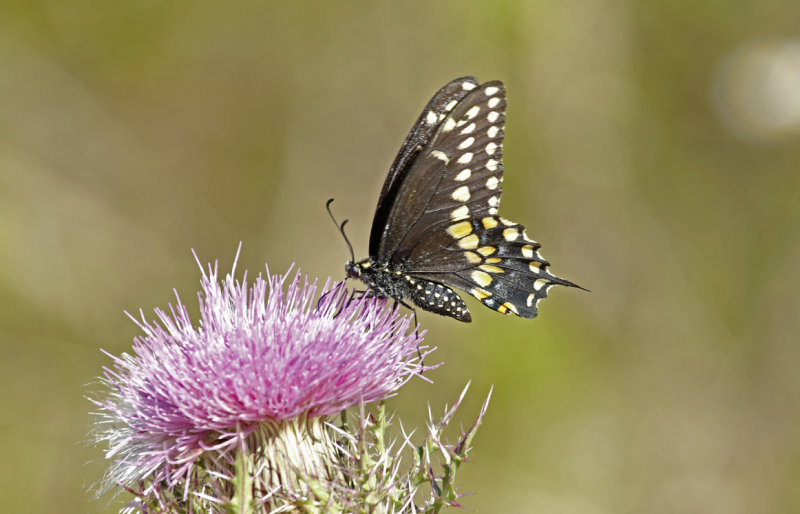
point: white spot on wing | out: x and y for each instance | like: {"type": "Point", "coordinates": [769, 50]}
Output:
{"type": "Point", "coordinates": [465, 158]}
{"type": "Point", "coordinates": [449, 125]}
{"type": "Point", "coordinates": [491, 90]}
{"type": "Point", "coordinates": [440, 155]}
{"type": "Point", "coordinates": [431, 118]}
{"type": "Point", "coordinates": [469, 128]}
{"type": "Point", "coordinates": [492, 116]}
{"type": "Point", "coordinates": [463, 175]}
{"type": "Point", "coordinates": [449, 107]}
{"type": "Point", "coordinates": [491, 165]}
{"type": "Point", "coordinates": [467, 143]}
{"type": "Point", "coordinates": [467, 86]}
{"type": "Point", "coordinates": [473, 111]}
{"type": "Point", "coordinates": [461, 194]}
{"type": "Point", "coordinates": [491, 148]}
{"type": "Point", "coordinates": [492, 182]}
{"type": "Point", "coordinates": [493, 130]}
{"type": "Point", "coordinates": [494, 201]}
{"type": "Point", "coordinates": [493, 102]}
{"type": "Point", "coordinates": [511, 234]}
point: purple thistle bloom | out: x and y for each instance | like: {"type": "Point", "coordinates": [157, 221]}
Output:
{"type": "Point", "coordinates": [263, 357]}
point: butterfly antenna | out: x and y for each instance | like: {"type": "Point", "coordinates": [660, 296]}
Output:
{"type": "Point", "coordinates": [341, 229]}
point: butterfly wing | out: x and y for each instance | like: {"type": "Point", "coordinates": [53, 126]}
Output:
{"type": "Point", "coordinates": [496, 263]}
{"type": "Point", "coordinates": [443, 224]}
{"type": "Point", "coordinates": [403, 168]}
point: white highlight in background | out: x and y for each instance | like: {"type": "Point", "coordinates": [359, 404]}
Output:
{"type": "Point", "coordinates": [756, 90]}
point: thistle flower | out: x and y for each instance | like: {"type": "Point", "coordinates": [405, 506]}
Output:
{"type": "Point", "coordinates": [260, 374]}
{"type": "Point", "coordinates": [236, 414]}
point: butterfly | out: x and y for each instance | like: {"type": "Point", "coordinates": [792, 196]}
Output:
{"type": "Point", "coordinates": [436, 227]}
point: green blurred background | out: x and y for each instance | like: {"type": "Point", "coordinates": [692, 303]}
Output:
{"type": "Point", "coordinates": [652, 147]}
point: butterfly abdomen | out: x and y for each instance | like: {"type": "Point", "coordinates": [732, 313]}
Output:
{"type": "Point", "coordinates": [425, 294]}
{"type": "Point", "coordinates": [438, 298]}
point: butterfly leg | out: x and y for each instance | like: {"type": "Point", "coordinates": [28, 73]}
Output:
{"type": "Point", "coordinates": [325, 295]}
{"type": "Point", "coordinates": [365, 293]}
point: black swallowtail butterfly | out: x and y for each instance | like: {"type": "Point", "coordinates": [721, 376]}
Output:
{"type": "Point", "coordinates": [436, 226]}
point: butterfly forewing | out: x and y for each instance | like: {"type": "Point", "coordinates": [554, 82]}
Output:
{"type": "Point", "coordinates": [456, 176]}
{"type": "Point", "coordinates": [470, 184]}
{"type": "Point", "coordinates": [389, 211]}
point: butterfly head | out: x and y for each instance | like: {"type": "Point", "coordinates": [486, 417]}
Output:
{"type": "Point", "coordinates": [352, 269]}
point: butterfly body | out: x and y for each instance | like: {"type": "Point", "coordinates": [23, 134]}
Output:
{"type": "Point", "coordinates": [436, 226]}
{"type": "Point", "coordinates": [431, 296]}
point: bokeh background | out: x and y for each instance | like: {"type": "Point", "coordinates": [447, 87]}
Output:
{"type": "Point", "coordinates": [652, 147]}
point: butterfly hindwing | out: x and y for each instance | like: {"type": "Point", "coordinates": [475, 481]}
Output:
{"type": "Point", "coordinates": [506, 272]}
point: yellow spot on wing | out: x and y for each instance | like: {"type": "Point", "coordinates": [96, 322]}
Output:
{"type": "Point", "coordinates": [479, 293]}
{"type": "Point", "coordinates": [460, 213]}
{"type": "Point", "coordinates": [472, 257]}
{"type": "Point", "coordinates": [510, 306]}
{"type": "Point", "coordinates": [460, 230]}
{"type": "Point", "coordinates": [481, 278]}
{"type": "Point", "coordinates": [527, 251]}
{"type": "Point", "coordinates": [491, 269]}
{"type": "Point", "coordinates": [489, 222]}
{"type": "Point", "coordinates": [486, 250]}
{"type": "Point", "coordinates": [469, 243]}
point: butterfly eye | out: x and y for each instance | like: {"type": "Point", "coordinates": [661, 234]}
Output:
{"type": "Point", "coordinates": [352, 270]}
